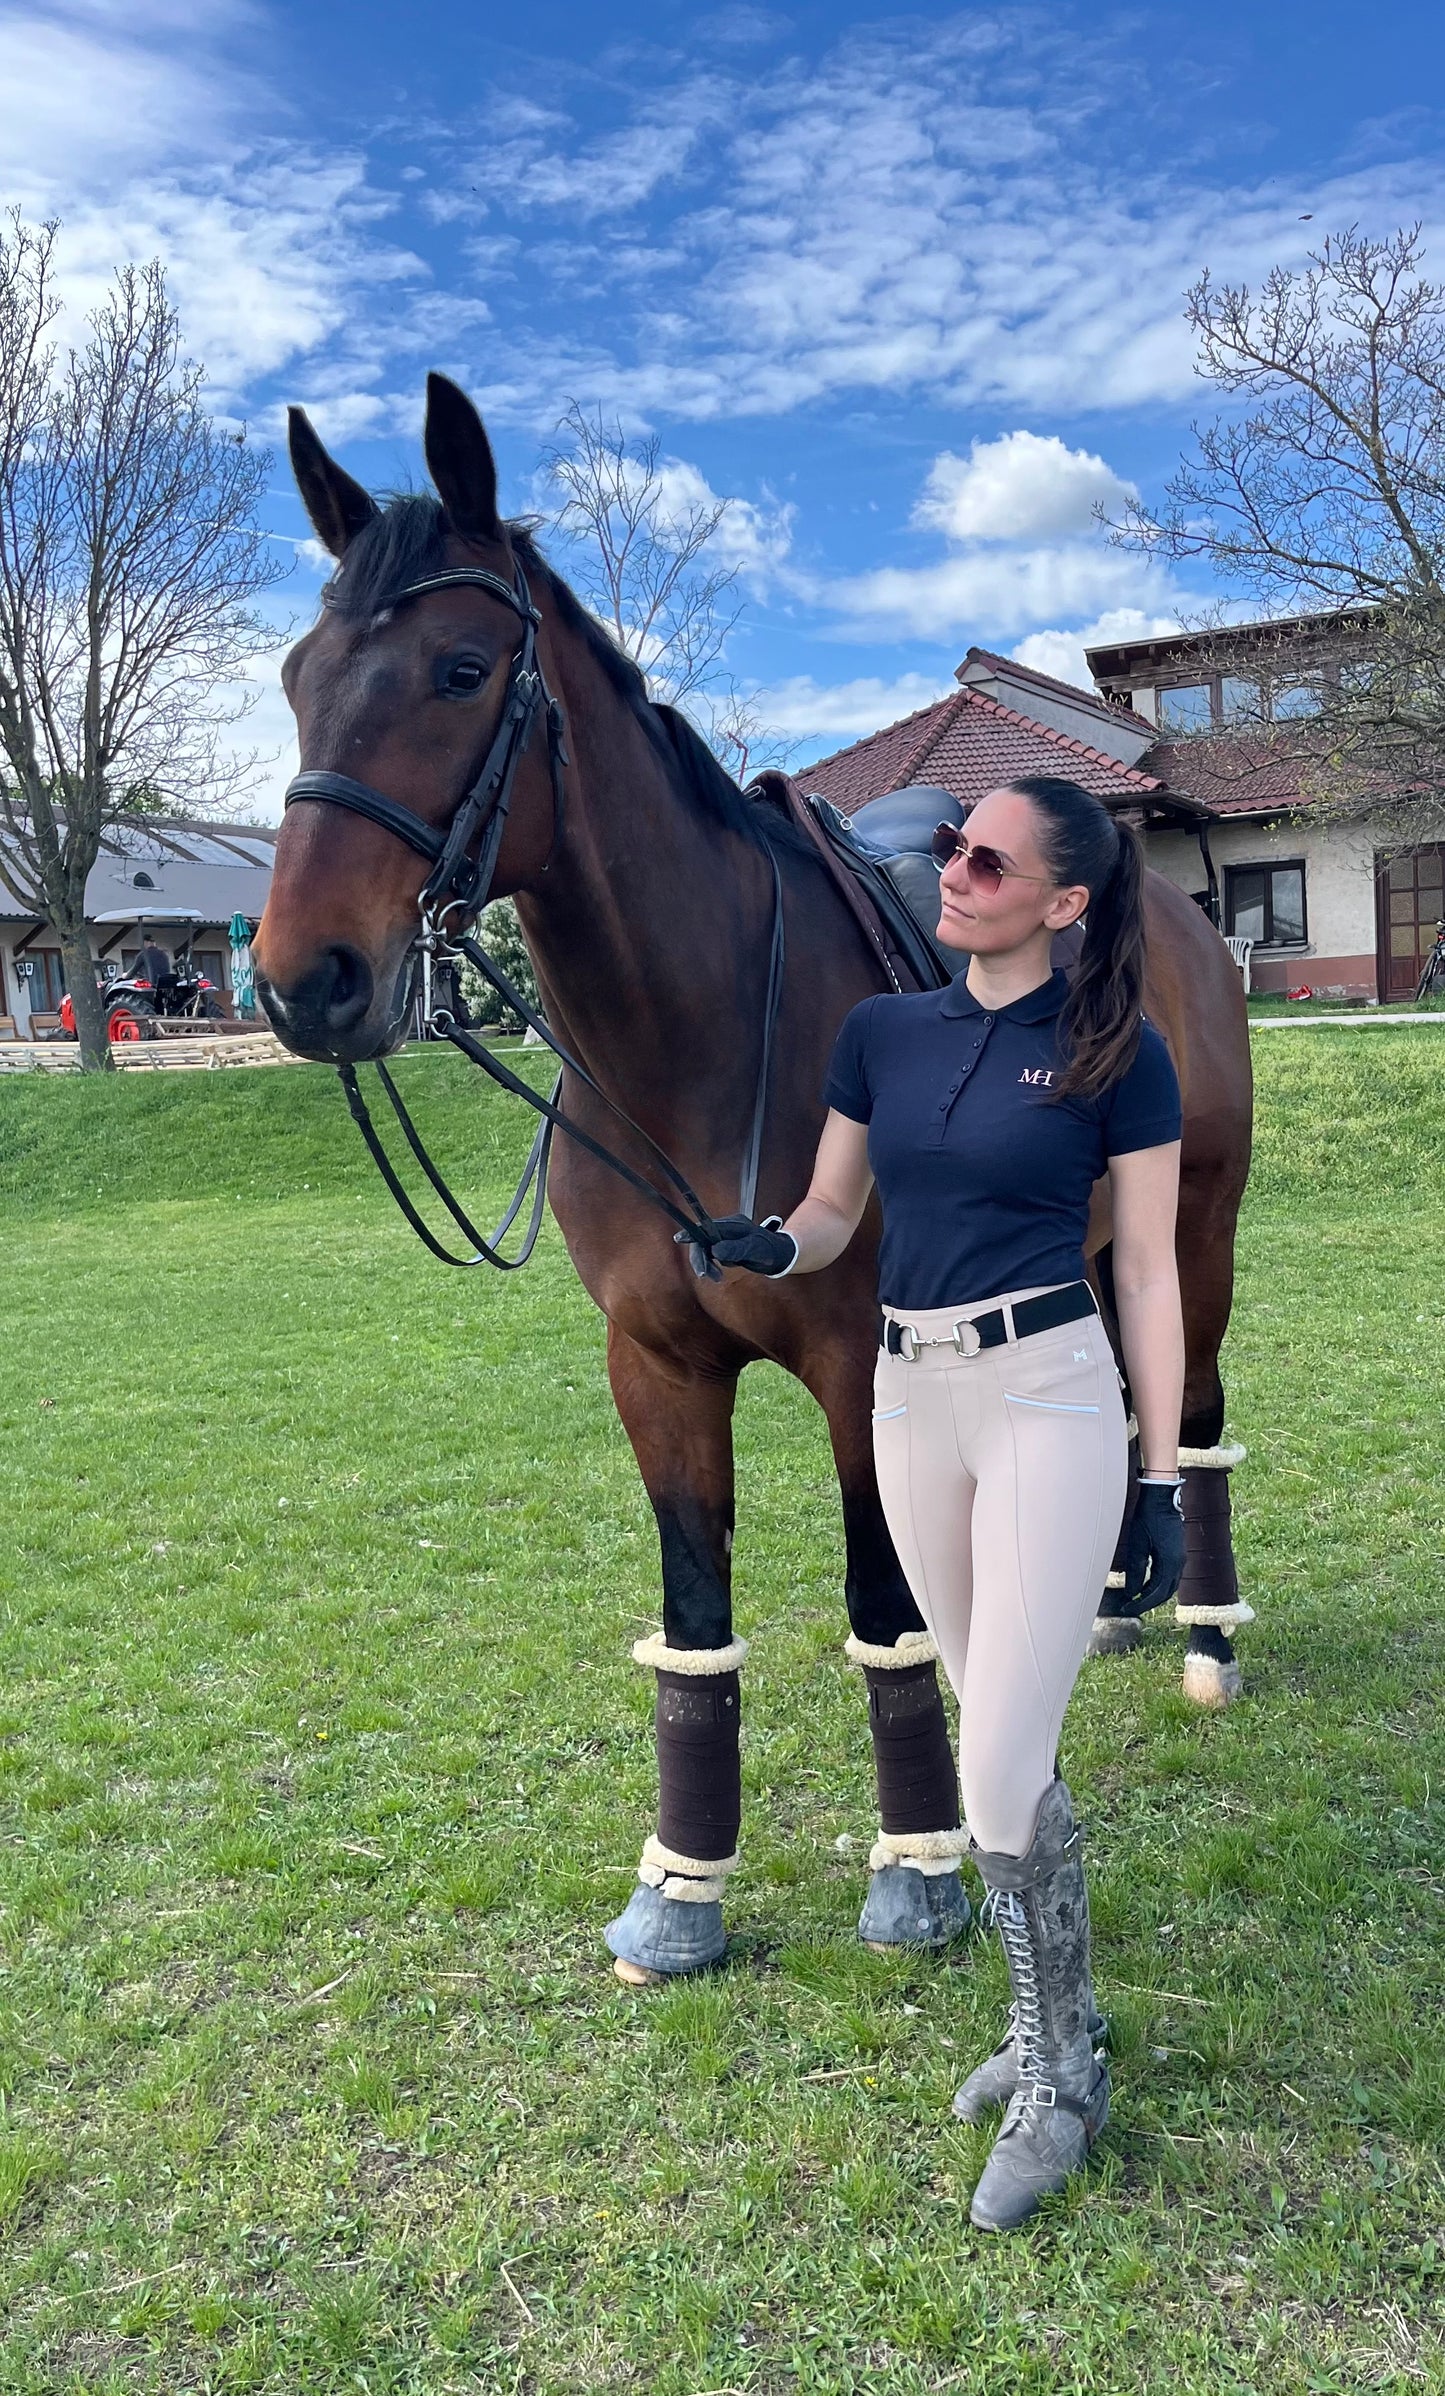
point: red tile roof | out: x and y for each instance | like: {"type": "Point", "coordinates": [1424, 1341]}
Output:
{"type": "Point", "coordinates": [969, 744]}
{"type": "Point", "coordinates": [877, 763]}
{"type": "Point", "coordinates": [1233, 776]}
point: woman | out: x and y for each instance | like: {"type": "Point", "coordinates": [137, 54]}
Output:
{"type": "Point", "coordinates": [985, 1113]}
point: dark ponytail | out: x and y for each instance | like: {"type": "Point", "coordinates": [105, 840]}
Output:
{"type": "Point", "coordinates": [1083, 843]}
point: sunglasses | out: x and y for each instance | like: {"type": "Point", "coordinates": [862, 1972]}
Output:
{"type": "Point", "coordinates": [986, 868]}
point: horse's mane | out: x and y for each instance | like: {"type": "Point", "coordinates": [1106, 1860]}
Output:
{"type": "Point", "coordinates": [406, 540]}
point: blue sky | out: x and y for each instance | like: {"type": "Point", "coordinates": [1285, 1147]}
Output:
{"type": "Point", "coordinates": [906, 285]}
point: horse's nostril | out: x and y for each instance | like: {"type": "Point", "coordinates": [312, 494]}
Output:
{"type": "Point", "coordinates": [348, 987]}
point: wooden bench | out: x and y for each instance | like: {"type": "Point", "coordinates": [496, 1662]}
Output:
{"type": "Point", "coordinates": [7, 1028]}
{"type": "Point", "coordinates": [41, 1024]}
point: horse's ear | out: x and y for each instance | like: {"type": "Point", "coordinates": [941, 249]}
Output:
{"type": "Point", "coordinates": [460, 462]}
{"type": "Point", "coordinates": [337, 506]}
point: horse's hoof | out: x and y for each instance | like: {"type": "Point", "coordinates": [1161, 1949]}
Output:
{"type": "Point", "coordinates": [632, 1975]}
{"type": "Point", "coordinates": [662, 1936]}
{"type": "Point", "coordinates": [908, 1908]}
{"type": "Point", "coordinates": [1209, 1682]}
{"type": "Point", "coordinates": [1115, 1635]}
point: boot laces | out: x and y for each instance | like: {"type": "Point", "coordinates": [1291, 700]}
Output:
{"type": "Point", "coordinates": [1004, 1910]}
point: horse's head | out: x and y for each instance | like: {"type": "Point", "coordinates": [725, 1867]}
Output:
{"type": "Point", "coordinates": [402, 696]}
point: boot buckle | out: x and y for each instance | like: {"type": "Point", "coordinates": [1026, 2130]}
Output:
{"type": "Point", "coordinates": [1043, 2094]}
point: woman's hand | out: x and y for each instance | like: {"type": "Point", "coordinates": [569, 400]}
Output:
{"type": "Point", "coordinates": [815, 1232]}
{"type": "Point", "coordinates": [756, 1247]}
{"type": "Point", "coordinates": [1154, 1550]}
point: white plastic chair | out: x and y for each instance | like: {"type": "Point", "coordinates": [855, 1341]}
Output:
{"type": "Point", "coordinates": [1239, 948]}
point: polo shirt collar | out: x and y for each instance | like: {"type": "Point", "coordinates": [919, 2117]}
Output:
{"type": "Point", "coordinates": [1036, 1006]}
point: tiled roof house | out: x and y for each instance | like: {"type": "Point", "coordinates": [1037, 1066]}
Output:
{"type": "Point", "coordinates": [1221, 812]}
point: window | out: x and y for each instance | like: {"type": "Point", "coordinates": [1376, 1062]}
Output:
{"type": "Point", "coordinates": [1239, 700]}
{"type": "Point", "coordinates": [1185, 708]}
{"type": "Point", "coordinates": [46, 980]}
{"type": "Point", "coordinates": [1294, 699]}
{"type": "Point", "coordinates": [1266, 903]}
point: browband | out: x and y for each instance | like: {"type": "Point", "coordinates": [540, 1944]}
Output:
{"type": "Point", "coordinates": [458, 578]}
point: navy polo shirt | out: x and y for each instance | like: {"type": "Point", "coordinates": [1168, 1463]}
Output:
{"type": "Point", "coordinates": [985, 1178]}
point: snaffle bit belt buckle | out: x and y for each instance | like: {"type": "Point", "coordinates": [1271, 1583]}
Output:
{"type": "Point", "coordinates": [963, 1339]}
{"type": "Point", "coordinates": [997, 1324]}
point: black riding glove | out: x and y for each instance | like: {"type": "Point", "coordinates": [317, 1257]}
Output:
{"type": "Point", "coordinates": [1154, 1553]}
{"type": "Point", "coordinates": [756, 1247]}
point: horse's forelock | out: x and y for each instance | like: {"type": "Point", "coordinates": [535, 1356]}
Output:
{"type": "Point", "coordinates": [405, 540]}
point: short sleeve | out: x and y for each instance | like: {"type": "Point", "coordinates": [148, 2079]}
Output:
{"type": "Point", "coordinates": [1144, 1109]}
{"type": "Point", "coordinates": [847, 1087]}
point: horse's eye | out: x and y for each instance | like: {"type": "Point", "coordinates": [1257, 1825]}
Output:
{"type": "Point", "coordinates": [463, 677]}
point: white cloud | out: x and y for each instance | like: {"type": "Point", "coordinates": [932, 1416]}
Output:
{"type": "Point", "coordinates": [1062, 653]}
{"type": "Point", "coordinates": [1023, 486]}
{"type": "Point", "coordinates": [996, 590]}
{"type": "Point", "coordinates": [804, 710]}
{"type": "Point", "coordinates": [944, 209]}
{"type": "Point", "coordinates": [145, 146]}
{"type": "Point", "coordinates": [753, 538]}
{"type": "Point", "coordinates": [263, 264]}
{"type": "Point", "coordinates": [527, 165]}
{"type": "Point", "coordinates": [93, 101]}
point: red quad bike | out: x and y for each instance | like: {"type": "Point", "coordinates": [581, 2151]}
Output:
{"type": "Point", "coordinates": [133, 1006]}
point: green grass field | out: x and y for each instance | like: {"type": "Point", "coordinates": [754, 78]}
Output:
{"type": "Point", "coordinates": [322, 1762]}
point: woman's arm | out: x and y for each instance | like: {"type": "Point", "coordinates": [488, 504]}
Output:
{"type": "Point", "coordinates": [837, 1194]}
{"type": "Point", "coordinates": [1144, 1187]}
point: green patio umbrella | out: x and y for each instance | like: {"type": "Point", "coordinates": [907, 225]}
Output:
{"type": "Point", "coordinates": [243, 973]}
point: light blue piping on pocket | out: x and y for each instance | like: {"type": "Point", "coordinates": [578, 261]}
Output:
{"type": "Point", "coordinates": [1048, 1405]}
{"type": "Point", "coordinates": [891, 1413]}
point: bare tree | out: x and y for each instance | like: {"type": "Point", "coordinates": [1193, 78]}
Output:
{"type": "Point", "coordinates": [1321, 493]}
{"type": "Point", "coordinates": [737, 731]}
{"type": "Point", "coordinates": [129, 558]}
{"type": "Point", "coordinates": [639, 537]}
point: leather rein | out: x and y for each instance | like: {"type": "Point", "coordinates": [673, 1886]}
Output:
{"type": "Point", "coordinates": [458, 886]}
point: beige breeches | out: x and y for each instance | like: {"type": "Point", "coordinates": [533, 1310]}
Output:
{"type": "Point", "coordinates": [1002, 1477]}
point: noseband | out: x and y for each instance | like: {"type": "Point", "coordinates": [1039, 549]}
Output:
{"type": "Point", "coordinates": [458, 886]}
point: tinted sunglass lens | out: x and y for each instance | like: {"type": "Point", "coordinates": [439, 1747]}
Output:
{"type": "Point", "coordinates": [985, 867]}
{"type": "Point", "coordinates": [945, 844]}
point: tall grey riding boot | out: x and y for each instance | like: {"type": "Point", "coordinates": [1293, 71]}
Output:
{"type": "Point", "coordinates": [991, 2084]}
{"type": "Point", "coordinates": [1060, 2101]}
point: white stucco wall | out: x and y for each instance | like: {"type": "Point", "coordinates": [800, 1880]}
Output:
{"type": "Point", "coordinates": [1339, 875]}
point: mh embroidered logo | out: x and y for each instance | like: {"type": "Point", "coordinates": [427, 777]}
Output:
{"type": "Point", "coordinates": [1037, 1077]}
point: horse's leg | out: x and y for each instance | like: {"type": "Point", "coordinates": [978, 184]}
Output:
{"type": "Point", "coordinates": [1209, 1602]}
{"type": "Point", "coordinates": [915, 1895]}
{"type": "Point", "coordinates": [679, 1422]}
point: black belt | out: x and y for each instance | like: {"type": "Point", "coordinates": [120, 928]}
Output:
{"type": "Point", "coordinates": [1067, 1305]}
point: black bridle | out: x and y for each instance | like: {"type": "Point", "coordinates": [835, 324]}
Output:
{"type": "Point", "coordinates": [459, 881]}
{"type": "Point", "coordinates": [458, 886]}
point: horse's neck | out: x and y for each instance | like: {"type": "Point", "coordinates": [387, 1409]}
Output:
{"type": "Point", "coordinates": [644, 929]}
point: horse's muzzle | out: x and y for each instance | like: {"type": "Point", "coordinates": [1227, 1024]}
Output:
{"type": "Point", "coordinates": [330, 1013]}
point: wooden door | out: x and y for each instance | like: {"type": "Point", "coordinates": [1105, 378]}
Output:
{"type": "Point", "coordinates": [1409, 902]}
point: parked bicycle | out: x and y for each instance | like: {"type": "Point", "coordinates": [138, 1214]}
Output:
{"type": "Point", "coordinates": [1433, 978]}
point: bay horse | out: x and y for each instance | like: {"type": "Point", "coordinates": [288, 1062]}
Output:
{"type": "Point", "coordinates": [646, 883]}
